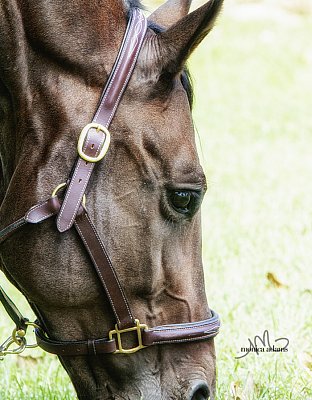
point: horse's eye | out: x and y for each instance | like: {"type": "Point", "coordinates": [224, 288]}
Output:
{"type": "Point", "coordinates": [185, 202]}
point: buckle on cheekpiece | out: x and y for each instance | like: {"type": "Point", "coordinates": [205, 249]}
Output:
{"type": "Point", "coordinates": [118, 332]}
{"type": "Point", "coordinates": [105, 145]}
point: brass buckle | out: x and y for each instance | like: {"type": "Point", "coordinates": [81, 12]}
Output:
{"type": "Point", "coordinates": [118, 332]}
{"type": "Point", "coordinates": [82, 137]}
{"type": "Point", "coordinates": [61, 186]}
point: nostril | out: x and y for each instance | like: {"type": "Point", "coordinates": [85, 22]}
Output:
{"type": "Point", "coordinates": [199, 391]}
{"type": "Point", "coordinates": [200, 395]}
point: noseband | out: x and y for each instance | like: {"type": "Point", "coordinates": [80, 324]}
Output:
{"type": "Point", "coordinates": [93, 143]}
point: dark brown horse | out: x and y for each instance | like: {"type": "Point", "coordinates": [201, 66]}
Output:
{"type": "Point", "coordinates": [145, 195]}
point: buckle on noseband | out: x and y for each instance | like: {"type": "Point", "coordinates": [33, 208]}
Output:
{"type": "Point", "coordinates": [105, 145]}
{"type": "Point", "coordinates": [118, 332]}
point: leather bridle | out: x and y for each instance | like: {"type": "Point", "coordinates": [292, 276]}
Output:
{"type": "Point", "coordinates": [93, 143]}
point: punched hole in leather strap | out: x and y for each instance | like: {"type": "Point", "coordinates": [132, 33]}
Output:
{"type": "Point", "coordinates": [95, 139]}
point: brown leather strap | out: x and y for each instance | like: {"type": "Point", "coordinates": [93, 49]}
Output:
{"type": "Point", "coordinates": [94, 247]}
{"type": "Point", "coordinates": [72, 212]}
{"type": "Point", "coordinates": [105, 270]}
{"type": "Point", "coordinates": [43, 211]}
{"type": "Point", "coordinates": [95, 138]}
{"type": "Point", "coordinates": [34, 215]}
{"type": "Point", "coordinates": [10, 229]}
{"type": "Point", "coordinates": [75, 348]}
{"type": "Point", "coordinates": [13, 311]}
{"type": "Point", "coordinates": [165, 334]}
{"type": "Point", "coordinates": [176, 333]}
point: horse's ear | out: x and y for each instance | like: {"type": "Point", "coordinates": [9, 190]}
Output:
{"type": "Point", "coordinates": [177, 42]}
{"type": "Point", "coordinates": [170, 12]}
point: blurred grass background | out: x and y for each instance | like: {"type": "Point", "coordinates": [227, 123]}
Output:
{"type": "Point", "coordinates": [253, 113]}
{"type": "Point", "coordinates": [254, 116]}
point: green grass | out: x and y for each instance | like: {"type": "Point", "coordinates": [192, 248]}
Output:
{"type": "Point", "coordinates": [253, 83]}
{"type": "Point", "coordinates": [253, 112]}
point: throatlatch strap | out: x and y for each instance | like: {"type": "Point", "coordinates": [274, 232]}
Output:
{"type": "Point", "coordinates": [12, 311]}
{"type": "Point", "coordinates": [95, 137]}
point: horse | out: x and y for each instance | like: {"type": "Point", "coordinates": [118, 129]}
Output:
{"type": "Point", "coordinates": [144, 196]}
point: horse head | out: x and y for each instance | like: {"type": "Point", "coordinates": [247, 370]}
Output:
{"type": "Point", "coordinates": [144, 196]}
